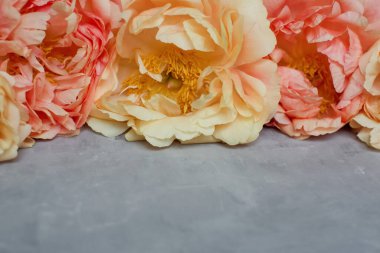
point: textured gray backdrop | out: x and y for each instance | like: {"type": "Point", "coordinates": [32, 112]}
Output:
{"type": "Point", "coordinates": [98, 195]}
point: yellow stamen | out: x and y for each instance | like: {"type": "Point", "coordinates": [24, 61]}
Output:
{"type": "Point", "coordinates": [58, 55]}
{"type": "Point", "coordinates": [181, 71]}
{"type": "Point", "coordinates": [50, 77]}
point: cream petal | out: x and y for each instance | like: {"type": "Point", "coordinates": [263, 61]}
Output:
{"type": "Point", "coordinates": [220, 117]}
{"type": "Point", "coordinates": [199, 37]}
{"type": "Point", "coordinates": [199, 18]}
{"type": "Point", "coordinates": [106, 114]}
{"type": "Point", "coordinates": [160, 143]}
{"type": "Point", "coordinates": [13, 127]}
{"type": "Point", "coordinates": [148, 19]}
{"type": "Point", "coordinates": [370, 66]}
{"type": "Point", "coordinates": [375, 138]}
{"type": "Point", "coordinates": [163, 105]}
{"type": "Point", "coordinates": [266, 42]}
{"type": "Point", "coordinates": [142, 113]}
{"type": "Point", "coordinates": [363, 121]}
{"type": "Point", "coordinates": [242, 108]}
{"type": "Point", "coordinates": [205, 100]}
{"type": "Point", "coordinates": [252, 91]}
{"type": "Point", "coordinates": [365, 136]}
{"type": "Point", "coordinates": [143, 42]}
{"type": "Point", "coordinates": [201, 139]}
{"type": "Point", "coordinates": [131, 135]}
{"type": "Point", "coordinates": [8, 154]}
{"type": "Point", "coordinates": [175, 34]}
{"type": "Point", "coordinates": [240, 131]}
{"type": "Point", "coordinates": [106, 127]}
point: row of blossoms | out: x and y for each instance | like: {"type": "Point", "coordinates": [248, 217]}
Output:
{"type": "Point", "coordinates": [193, 71]}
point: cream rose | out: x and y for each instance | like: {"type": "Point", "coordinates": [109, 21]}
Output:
{"type": "Point", "coordinates": [13, 129]}
{"type": "Point", "coordinates": [367, 123]}
{"type": "Point", "coordinates": [189, 70]}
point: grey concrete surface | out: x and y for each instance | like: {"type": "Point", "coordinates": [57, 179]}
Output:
{"type": "Point", "coordinates": [98, 195]}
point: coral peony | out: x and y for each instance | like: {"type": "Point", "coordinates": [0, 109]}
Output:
{"type": "Point", "coordinates": [367, 123]}
{"type": "Point", "coordinates": [320, 43]}
{"type": "Point", "coordinates": [189, 70]}
{"type": "Point", "coordinates": [20, 28]}
{"type": "Point", "coordinates": [13, 128]}
{"type": "Point", "coordinates": [56, 50]}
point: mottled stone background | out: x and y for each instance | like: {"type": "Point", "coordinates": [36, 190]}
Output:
{"type": "Point", "coordinates": [98, 195]}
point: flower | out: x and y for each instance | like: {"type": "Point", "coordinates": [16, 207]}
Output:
{"type": "Point", "coordinates": [62, 54]}
{"type": "Point", "coordinates": [189, 70]}
{"type": "Point", "coordinates": [20, 27]}
{"type": "Point", "coordinates": [319, 47]}
{"type": "Point", "coordinates": [13, 128]}
{"type": "Point", "coordinates": [367, 123]}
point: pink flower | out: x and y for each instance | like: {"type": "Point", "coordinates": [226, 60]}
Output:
{"type": "Point", "coordinates": [320, 43]}
{"type": "Point", "coordinates": [20, 27]}
{"type": "Point", "coordinates": [57, 68]}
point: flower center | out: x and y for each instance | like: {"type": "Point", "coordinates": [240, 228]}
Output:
{"type": "Point", "coordinates": [13, 66]}
{"type": "Point", "coordinates": [316, 70]}
{"type": "Point", "coordinates": [58, 55]}
{"type": "Point", "coordinates": [180, 71]}
{"type": "Point", "coordinates": [315, 66]}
